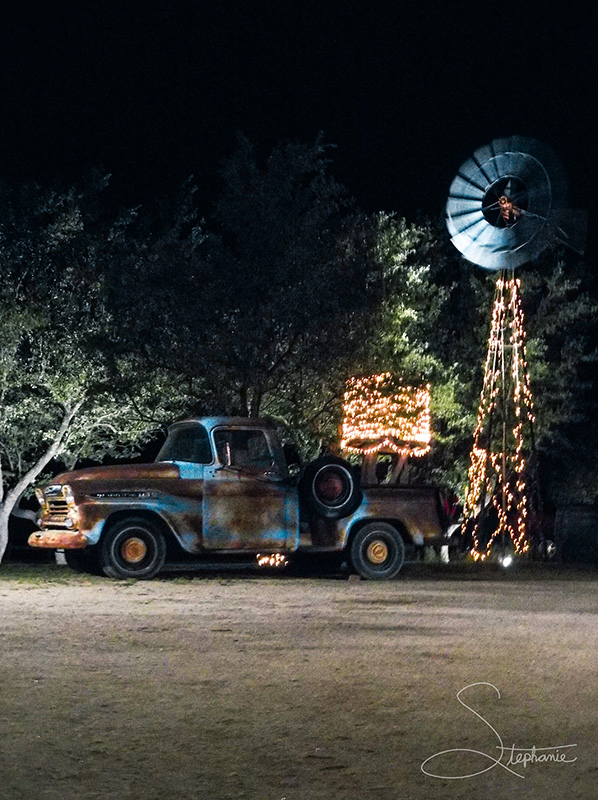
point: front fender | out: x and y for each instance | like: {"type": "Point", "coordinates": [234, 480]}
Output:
{"type": "Point", "coordinates": [175, 516]}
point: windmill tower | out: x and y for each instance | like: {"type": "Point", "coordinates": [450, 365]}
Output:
{"type": "Point", "coordinates": [505, 206]}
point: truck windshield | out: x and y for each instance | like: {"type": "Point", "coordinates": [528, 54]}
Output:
{"type": "Point", "coordinates": [190, 443]}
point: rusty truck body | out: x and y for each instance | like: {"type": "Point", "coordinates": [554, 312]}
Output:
{"type": "Point", "coordinates": [220, 490]}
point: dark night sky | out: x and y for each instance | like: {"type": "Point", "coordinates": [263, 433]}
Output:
{"type": "Point", "coordinates": [155, 91]}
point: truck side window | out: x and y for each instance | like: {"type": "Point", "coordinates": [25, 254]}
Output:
{"type": "Point", "coordinates": [243, 448]}
{"type": "Point", "coordinates": [189, 443]}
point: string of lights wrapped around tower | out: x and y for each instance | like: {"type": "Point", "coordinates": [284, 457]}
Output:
{"type": "Point", "coordinates": [497, 472]}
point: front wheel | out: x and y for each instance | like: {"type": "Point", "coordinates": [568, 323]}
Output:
{"type": "Point", "coordinates": [377, 551]}
{"type": "Point", "coordinates": [132, 548]}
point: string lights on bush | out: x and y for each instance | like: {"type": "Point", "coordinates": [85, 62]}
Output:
{"type": "Point", "coordinates": [383, 414]}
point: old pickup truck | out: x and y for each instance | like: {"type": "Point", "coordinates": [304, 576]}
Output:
{"type": "Point", "coordinates": [220, 491]}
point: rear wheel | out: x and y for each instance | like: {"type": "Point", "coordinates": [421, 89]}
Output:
{"type": "Point", "coordinates": [377, 551]}
{"type": "Point", "coordinates": [132, 548]}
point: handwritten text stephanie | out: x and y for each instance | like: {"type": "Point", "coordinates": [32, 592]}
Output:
{"type": "Point", "coordinates": [508, 757]}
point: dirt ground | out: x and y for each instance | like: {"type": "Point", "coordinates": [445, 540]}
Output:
{"type": "Point", "coordinates": [285, 688]}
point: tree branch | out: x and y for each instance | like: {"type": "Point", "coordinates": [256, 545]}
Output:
{"type": "Point", "coordinates": [12, 497]}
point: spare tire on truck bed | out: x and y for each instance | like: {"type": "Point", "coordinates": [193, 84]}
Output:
{"type": "Point", "coordinates": [330, 488]}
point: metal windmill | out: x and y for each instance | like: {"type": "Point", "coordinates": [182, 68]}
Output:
{"type": "Point", "coordinates": [505, 206]}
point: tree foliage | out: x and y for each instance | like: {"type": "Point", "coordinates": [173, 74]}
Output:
{"type": "Point", "coordinates": [270, 287]}
{"type": "Point", "coordinates": [56, 398]}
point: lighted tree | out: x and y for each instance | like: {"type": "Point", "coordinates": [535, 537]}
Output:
{"type": "Point", "coordinates": [382, 413]}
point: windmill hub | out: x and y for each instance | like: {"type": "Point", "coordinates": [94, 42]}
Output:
{"type": "Point", "coordinates": [504, 202]}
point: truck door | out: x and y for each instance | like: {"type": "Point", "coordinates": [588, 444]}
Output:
{"type": "Point", "coordinates": [247, 503]}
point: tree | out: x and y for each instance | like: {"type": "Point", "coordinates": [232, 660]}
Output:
{"type": "Point", "coordinates": [56, 398]}
{"type": "Point", "coordinates": [388, 332]}
{"type": "Point", "coordinates": [294, 268]}
{"type": "Point", "coordinates": [270, 288]}
{"type": "Point", "coordinates": [562, 310]}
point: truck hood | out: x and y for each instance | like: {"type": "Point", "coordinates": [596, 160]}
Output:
{"type": "Point", "coordinates": [120, 472]}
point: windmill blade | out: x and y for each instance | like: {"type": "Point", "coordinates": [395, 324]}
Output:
{"type": "Point", "coordinates": [474, 229]}
{"type": "Point", "coordinates": [460, 187]}
{"type": "Point", "coordinates": [461, 208]}
{"type": "Point", "coordinates": [463, 222]}
{"type": "Point", "coordinates": [488, 238]}
{"type": "Point", "coordinates": [484, 158]}
{"type": "Point", "coordinates": [471, 173]}
{"type": "Point", "coordinates": [506, 164]}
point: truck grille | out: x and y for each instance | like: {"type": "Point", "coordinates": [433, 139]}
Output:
{"type": "Point", "coordinates": [56, 506]}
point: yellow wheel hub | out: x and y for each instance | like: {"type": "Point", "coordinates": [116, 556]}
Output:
{"type": "Point", "coordinates": [377, 552]}
{"type": "Point", "coordinates": [133, 550]}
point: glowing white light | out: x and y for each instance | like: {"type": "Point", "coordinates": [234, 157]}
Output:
{"type": "Point", "coordinates": [271, 560]}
